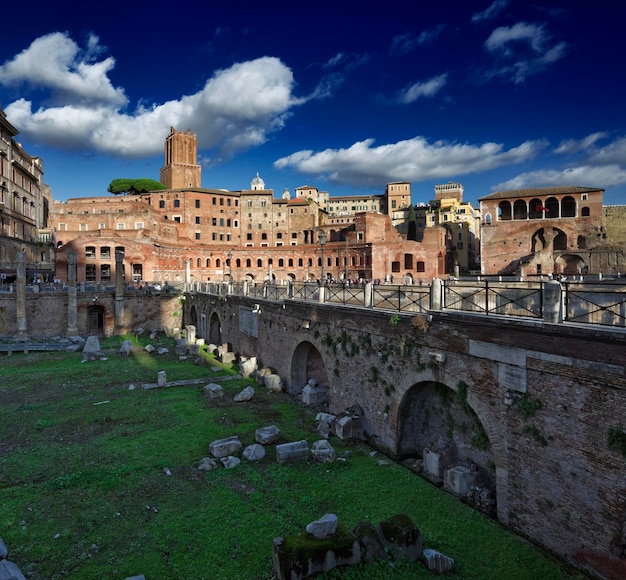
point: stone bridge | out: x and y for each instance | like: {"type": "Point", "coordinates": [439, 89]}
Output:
{"type": "Point", "coordinates": [530, 414]}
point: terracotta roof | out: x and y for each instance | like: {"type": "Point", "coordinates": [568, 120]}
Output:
{"type": "Point", "coordinates": [539, 192]}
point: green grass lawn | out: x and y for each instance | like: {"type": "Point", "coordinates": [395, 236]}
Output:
{"type": "Point", "coordinates": [84, 491]}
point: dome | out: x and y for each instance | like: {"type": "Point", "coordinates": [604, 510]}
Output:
{"type": "Point", "coordinates": [257, 183]}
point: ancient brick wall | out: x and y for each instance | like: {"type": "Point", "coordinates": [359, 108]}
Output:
{"type": "Point", "coordinates": [546, 397]}
{"type": "Point", "coordinates": [46, 313]}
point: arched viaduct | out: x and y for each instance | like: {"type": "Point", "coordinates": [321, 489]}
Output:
{"type": "Point", "coordinates": [534, 412]}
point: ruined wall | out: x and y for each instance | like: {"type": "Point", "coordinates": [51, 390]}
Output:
{"type": "Point", "coordinates": [545, 395]}
{"type": "Point", "coordinates": [46, 314]}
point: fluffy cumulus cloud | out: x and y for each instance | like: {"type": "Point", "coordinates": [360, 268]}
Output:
{"type": "Point", "coordinates": [427, 89]}
{"type": "Point", "coordinates": [590, 165]}
{"type": "Point", "coordinates": [583, 175]}
{"type": "Point", "coordinates": [411, 160]}
{"type": "Point", "coordinates": [522, 50]}
{"type": "Point", "coordinates": [236, 109]}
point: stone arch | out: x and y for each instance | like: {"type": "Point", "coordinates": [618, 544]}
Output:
{"type": "Point", "coordinates": [432, 413]}
{"type": "Point", "coordinates": [306, 363]}
{"type": "Point", "coordinates": [570, 264]}
{"type": "Point", "coordinates": [215, 330]}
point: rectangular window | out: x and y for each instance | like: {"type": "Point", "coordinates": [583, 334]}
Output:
{"type": "Point", "coordinates": [102, 226]}
{"type": "Point", "coordinates": [90, 252]}
{"type": "Point", "coordinates": [105, 253]}
{"type": "Point", "coordinates": [197, 219]}
{"type": "Point", "coordinates": [197, 203]}
{"type": "Point", "coordinates": [90, 272]}
{"type": "Point", "coordinates": [197, 235]}
{"type": "Point", "coordinates": [221, 201]}
{"type": "Point", "coordinates": [221, 222]}
{"type": "Point", "coordinates": [583, 196]}
{"type": "Point", "coordinates": [139, 225]}
{"type": "Point", "coordinates": [214, 221]}
{"type": "Point", "coordinates": [105, 272]}
{"type": "Point", "coordinates": [83, 227]}
{"type": "Point", "coordinates": [177, 203]}
{"type": "Point", "coordinates": [120, 226]}
{"type": "Point", "coordinates": [177, 218]}
{"type": "Point", "coordinates": [161, 203]}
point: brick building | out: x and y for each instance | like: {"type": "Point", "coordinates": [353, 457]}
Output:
{"type": "Point", "coordinates": [551, 230]}
{"type": "Point", "coordinates": [189, 233]}
{"type": "Point", "coordinates": [24, 209]}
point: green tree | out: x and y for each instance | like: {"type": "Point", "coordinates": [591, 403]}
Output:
{"type": "Point", "coordinates": [412, 231]}
{"type": "Point", "coordinates": [134, 186]}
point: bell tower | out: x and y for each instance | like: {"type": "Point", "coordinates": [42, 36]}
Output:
{"type": "Point", "coordinates": [181, 170]}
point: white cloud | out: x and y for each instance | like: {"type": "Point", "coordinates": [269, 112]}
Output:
{"type": "Point", "coordinates": [236, 109]}
{"type": "Point", "coordinates": [491, 12]}
{"type": "Point", "coordinates": [404, 43]}
{"type": "Point", "coordinates": [522, 50]}
{"type": "Point", "coordinates": [412, 160]}
{"type": "Point", "coordinates": [502, 36]}
{"type": "Point", "coordinates": [426, 89]}
{"type": "Point", "coordinates": [583, 175]}
{"type": "Point", "coordinates": [569, 146]}
{"type": "Point", "coordinates": [614, 152]}
{"type": "Point", "coordinates": [56, 63]}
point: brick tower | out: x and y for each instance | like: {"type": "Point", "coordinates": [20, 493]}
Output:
{"type": "Point", "coordinates": [181, 170]}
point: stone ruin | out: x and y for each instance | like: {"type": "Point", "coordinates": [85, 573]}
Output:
{"type": "Point", "coordinates": [326, 544]}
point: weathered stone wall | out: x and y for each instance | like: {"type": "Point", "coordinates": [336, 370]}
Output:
{"type": "Point", "coordinates": [46, 314]}
{"type": "Point", "coordinates": [546, 396]}
{"type": "Point", "coordinates": [615, 224]}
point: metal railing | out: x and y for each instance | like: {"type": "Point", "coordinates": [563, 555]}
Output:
{"type": "Point", "coordinates": [594, 302]}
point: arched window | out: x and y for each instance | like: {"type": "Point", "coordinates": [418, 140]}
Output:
{"type": "Point", "coordinates": [553, 208]}
{"type": "Point", "coordinates": [568, 206]}
{"type": "Point", "coordinates": [488, 219]}
{"type": "Point", "coordinates": [520, 210]}
{"type": "Point", "coordinates": [218, 263]}
{"type": "Point", "coordinates": [208, 262]}
{"type": "Point", "coordinates": [259, 263]}
{"type": "Point", "coordinates": [504, 210]}
{"type": "Point", "coordinates": [585, 212]}
{"type": "Point", "coordinates": [281, 263]}
{"type": "Point", "coordinates": [536, 209]}
{"type": "Point", "coordinates": [290, 262]}
{"type": "Point", "coordinates": [198, 263]}
{"type": "Point", "coordinates": [248, 263]}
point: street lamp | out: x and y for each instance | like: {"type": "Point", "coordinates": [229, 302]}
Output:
{"type": "Point", "coordinates": [230, 266]}
{"type": "Point", "coordinates": [322, 239]}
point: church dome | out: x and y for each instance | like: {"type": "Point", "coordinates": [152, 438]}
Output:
{"type": "Point", "coordinates": [257, 183]}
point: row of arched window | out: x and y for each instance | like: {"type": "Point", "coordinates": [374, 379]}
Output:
{"type": "Point", "coordinates": [534, 209]}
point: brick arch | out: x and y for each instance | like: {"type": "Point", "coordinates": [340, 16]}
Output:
{"type": "Point", "coordinates": [306, 363]}
{"type": "Point", "coordinates": [413, 390]}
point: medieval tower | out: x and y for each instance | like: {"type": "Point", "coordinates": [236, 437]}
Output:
{"type": "Point", "coordinates": [181, 170]}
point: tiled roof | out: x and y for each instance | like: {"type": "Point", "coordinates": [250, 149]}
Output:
{"type": "Point", "coordinates": [539, 192]}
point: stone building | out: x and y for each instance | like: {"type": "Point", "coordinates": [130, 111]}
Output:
{"type": "Point", "coordinates": [542, 231]}
{"type": "Point", "coordinates": [24, 210]}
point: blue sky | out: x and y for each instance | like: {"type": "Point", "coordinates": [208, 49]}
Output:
{"type": "Point", "coordinates": [344, 96]}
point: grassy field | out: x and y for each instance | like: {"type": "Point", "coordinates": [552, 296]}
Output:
{"type": "Point", "coordinates": [84, 489]}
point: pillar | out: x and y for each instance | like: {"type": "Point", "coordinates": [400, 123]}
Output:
{"type": "Point", "coordinates": [553, 302]}
{"type": "Point", "coordinates": [72, 307]}
{"type": "Point", "coordinates": [20, 289]}
{"type": "Point", "coordinates": [436, 294]}
{"type": "Point", "coordinates": [119, 292]}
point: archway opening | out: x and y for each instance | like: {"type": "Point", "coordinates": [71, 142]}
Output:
{"type": "Point", "coordinates": [215, 330]}
{"type": "Point", "coordinates": [306, 364]}
{"type": "Point", "coordinates": [440, 436]}
{"type": "Point", "coordinates": [95, 320]}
